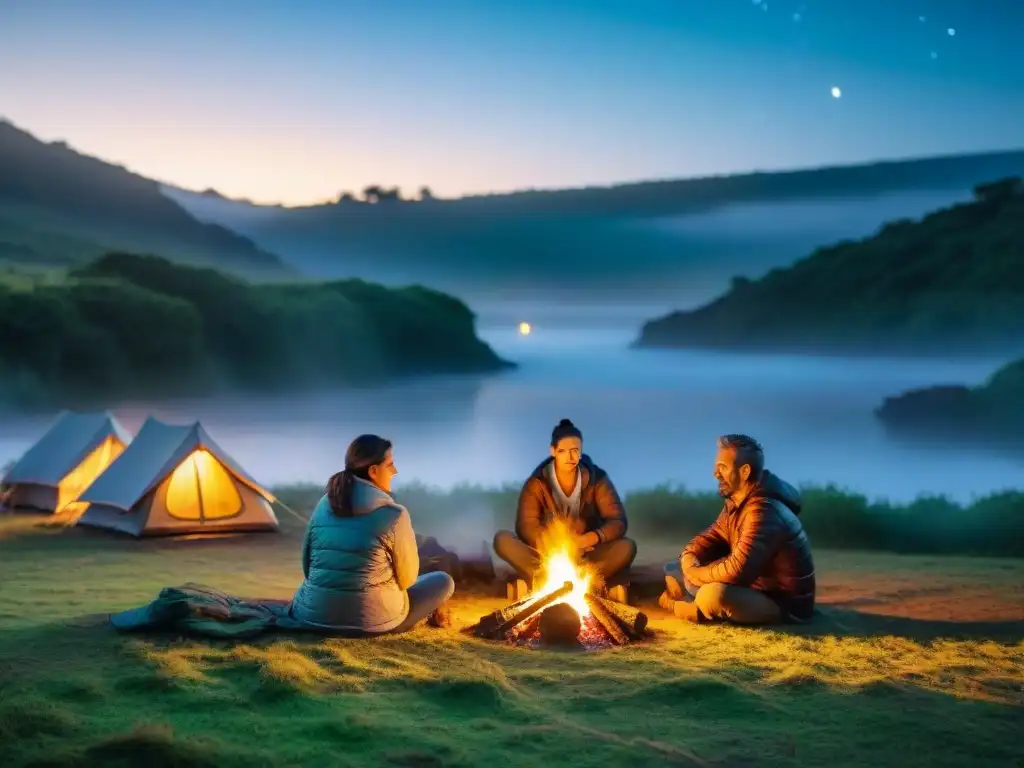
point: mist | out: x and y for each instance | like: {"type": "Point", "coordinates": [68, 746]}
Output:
{"type": "Point", "coordinates": [673, 262]}
{"type": "Point", "coordinates": [648, 417]}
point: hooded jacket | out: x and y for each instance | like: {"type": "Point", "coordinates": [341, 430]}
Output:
{"type": "Point", "coordinates": [601, 510]}
{"type": "Point", "coordinates": [759, 543]}
{"type": "Point", "coordinates": [358, 569]}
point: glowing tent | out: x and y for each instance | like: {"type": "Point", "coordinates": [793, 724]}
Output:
{"type": "Point", "coordinates": [174, 480]}
{"type": "Point", "coordinates": [64, 462]}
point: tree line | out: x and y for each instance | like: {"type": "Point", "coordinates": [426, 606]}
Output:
{"type": "Point", "coordinates": [127, 324]}
{"type": "Point", "coordinates": [950, 282]}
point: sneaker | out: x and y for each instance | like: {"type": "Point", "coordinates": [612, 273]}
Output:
{"type": "Point", "coordinates": [441, 617]}
{"type": "Point", "coordinates": [618, 594]}
{"type": "Point", "coordinates": [666, 602]}
{"type": "Point", "coordinates": [674, 588]}
{"type": "Point", "coordinates": [687, 612]}
{"type": "Point", "coordinates": [517, 590]}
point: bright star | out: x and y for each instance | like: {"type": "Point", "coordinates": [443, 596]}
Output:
{"type": "Point", "coordinates": [524, 329]}
{"type": "Point", "coordinates": [951, 32]}
{"type": "Point", "coordinates": [836, 93]}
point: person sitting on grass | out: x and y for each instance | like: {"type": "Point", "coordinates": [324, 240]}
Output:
{"type": "Point", "coordinates": [754, 564]}
{"type": "Point", "coordinates": [570, 487]}
{"type": "Point", "coordinates": [360, 557]}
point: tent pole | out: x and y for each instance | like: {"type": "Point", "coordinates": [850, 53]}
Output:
{"type": "Point", "coordinates": [199, 487]}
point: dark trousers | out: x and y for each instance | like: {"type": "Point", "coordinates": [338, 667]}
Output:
{"type": "Point", "coordinates": [429, 593]}
{"type": "Point", "coordinates": [723, 602]}
{"type": "Point", "coordinates": [609, 558]}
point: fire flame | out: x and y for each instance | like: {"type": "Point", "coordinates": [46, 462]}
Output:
{"type": "Point", "coordinates": [561, 563]}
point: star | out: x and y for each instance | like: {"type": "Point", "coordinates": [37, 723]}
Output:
{"type": "Point", "coordinates": [935, 55]}
{"type": "Point", "coordinates": [836, 92]}
{"type": "Point", "coordinates": [951, 32]}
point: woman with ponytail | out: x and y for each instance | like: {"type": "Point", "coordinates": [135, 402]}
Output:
{"type": "Point", "coordinates": [360, 558]}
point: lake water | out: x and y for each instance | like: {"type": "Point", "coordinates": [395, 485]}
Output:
{"type": "Point", "coordinates": [648, 417]}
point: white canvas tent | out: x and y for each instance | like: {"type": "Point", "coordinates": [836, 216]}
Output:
{"type": "Point", "coordinates": [175, 480]}
{"type": "Point", "coordinates": [64, 462]}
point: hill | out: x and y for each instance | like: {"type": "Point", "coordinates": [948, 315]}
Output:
{"type": "Point", "coordinates": [640, 240]}
{"type": "Point", "coordinates": [991, 413]}
{"type": "Point", "coordinates": [59, 207]}
{"type": "Point", "coordinates": [126, 326]}
{"type": "Point", "coordinates": [949, 283]}
{"type": "Point", "coordinates": [661, 197]}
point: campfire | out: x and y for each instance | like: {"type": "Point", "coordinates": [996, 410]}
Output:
{"type": "Point", "coordinates": [563, 610]}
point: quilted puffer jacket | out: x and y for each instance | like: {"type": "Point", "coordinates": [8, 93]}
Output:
{"type": "Point", "coordinates": [358, 569]}
{"type": "Point", "coordinates": [759, 543]}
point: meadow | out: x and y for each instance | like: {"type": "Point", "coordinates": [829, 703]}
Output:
{"type": "Point", "coordinates": [915, 659]}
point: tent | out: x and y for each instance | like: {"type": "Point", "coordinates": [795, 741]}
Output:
{"type": "Point", "coordinates": [64, 462]}
{"type": "Point", "coordinates": [174, 480]}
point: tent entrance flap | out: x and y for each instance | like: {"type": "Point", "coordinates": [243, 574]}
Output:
{"type": "Point", "coordinates": [91, 467]}
{"type": "Point", "coordinates": [201, 489]}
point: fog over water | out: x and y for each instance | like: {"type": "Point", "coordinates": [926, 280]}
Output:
{"type": "Point", "coordinates": [647, 416]}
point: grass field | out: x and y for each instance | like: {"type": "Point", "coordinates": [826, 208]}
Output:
{"type": "Point", "coordinates": [915, 660]}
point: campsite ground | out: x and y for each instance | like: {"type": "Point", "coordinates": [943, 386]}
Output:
{"type": "Point", "coordinates": [914, 661]}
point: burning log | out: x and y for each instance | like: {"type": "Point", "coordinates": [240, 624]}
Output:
{"type": "Point", "coordinates": [607, 621]}
{"type": "Point", "coordinates": [502, 629]}
{"type": "Point", "coordinates": [489, 623]}
{"type": "Point", "coordinates": [632, 620]}
{"type": "Point", "coordinates": [560, 625]}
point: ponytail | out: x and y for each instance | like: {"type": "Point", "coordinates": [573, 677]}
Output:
{"type": "Point", "coordinates": [364, 452]}
{"type": "Point", "coordinates": [339, 493]}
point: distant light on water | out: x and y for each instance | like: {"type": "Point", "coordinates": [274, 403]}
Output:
{"type": "Point", "coordinates": [524, 329]}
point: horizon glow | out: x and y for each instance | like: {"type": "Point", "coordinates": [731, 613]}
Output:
{"type": "Point", "coordinates": [295, 104]}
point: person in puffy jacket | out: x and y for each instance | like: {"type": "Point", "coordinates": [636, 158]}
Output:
{"type": "Point", "coordinates": [360, 558]}
{"type": "Point", "coordinates": [568, 486]}
{"type": "Point", "coordinates": [754, 564]}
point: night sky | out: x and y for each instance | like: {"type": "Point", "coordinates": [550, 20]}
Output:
{"type": "Point", "coordinates": [295, 101]}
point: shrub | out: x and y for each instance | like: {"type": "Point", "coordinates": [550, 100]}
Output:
{"type": "Point", "coordinates": [833, 518]}
{"type": "Point", "coordinates": [159, 338]}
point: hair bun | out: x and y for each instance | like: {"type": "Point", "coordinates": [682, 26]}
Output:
{"type": "Point", "coordinates": [566, 423]}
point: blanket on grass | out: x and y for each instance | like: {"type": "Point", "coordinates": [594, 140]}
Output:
{"type": "Point", "coordinates": [200, 610]}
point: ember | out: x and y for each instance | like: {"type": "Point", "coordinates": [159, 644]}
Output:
{"type": "Point", "coordinates": [590, 637]}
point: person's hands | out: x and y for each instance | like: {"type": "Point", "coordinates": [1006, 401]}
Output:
{"type": "Point", "coordinates": [585, 541]}
{"type": "Point", "coordinates": [689, 561]}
